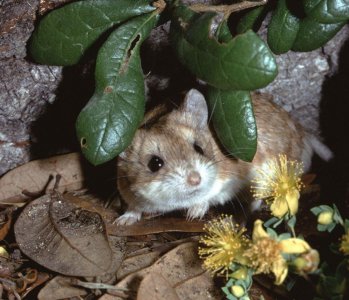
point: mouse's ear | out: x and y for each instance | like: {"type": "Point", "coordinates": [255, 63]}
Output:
{"type": "Point", "coordinates": [195, 105]}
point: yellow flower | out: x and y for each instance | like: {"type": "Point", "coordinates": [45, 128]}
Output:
{"type": "Point", "coordinates": [344, 246]}
{"type": "Point", "coordinates": [279, 183]}
{"type": "Point", "coordinates": [225, 243]}
{"type": "Point", "coordinates": [265, 253]}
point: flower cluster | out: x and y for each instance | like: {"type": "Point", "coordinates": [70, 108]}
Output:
{"type": "Point", "coordinates": [225, 244]}
{"type": "Point", "coordinates": [227, 249]}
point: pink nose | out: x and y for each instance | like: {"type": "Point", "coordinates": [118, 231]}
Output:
{"type": "Point", "coordinates": [193, 178]}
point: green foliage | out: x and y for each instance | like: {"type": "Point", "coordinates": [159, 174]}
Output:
{"type": "Point", "coordinates": [243, 63]}
{"type": "Point", "coordinates": [333, 279]}
{"type": "Point", "coordinates": [64, 35]}
{"type": "Point", "coordinates": [236, 64]}
{"type": "Point", "coordinates": [282, 29]}
{"type": "Point", "coordinates": [333, 284]}
{"type": "Point", "coordinates": [108, 122]}
{"type": "Point", "coordinates": [312, 35]}
{"type": "Point", "coordinates": [234, 122]}
{"type": "Point", "coordinates": [327, 11]}
{"type": "Point", "coordinates": [249, 20]}
{"type": "Point", "coordinates": [237, 287]}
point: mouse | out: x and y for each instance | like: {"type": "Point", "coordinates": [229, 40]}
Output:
{"type": "Point", "coordinates": [175, 162]}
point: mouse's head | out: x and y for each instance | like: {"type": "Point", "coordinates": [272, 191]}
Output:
{"type": "Point", "coordinates": [173, 158]}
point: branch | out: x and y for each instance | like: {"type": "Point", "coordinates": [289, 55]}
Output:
{"type": "Point", "coordinates": [227, 9]}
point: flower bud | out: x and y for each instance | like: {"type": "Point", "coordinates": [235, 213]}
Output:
{"type": "Point", "coordinates": [240, 274]}
{"type": "Point", "coordinates": [325, 218]}
{"type": "Point", "coordinates": [4, 253]}
{"type": "Point", "coordinates": [238, 291]}
{"type": "Point", "coordinates": [308, 262]}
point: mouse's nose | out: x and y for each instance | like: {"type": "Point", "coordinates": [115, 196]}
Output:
{"type": "Point", "coordinates": [194, 178]}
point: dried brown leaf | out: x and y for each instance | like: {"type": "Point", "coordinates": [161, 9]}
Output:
{"type": "Point", "coordinates": [199, 287]}
{"type": "Point", "coordinates": [178, 266]}
{"type": "Point", "coordinates": [155, 287]}
{"type": "Point", "coordinates": [65, 238]}
{"type": "Point", "coordinates": [158, 225]}
{"type": "Point", "coordinates": [136, 263]}
{"type": "Point", "coordinates": [60, 288]}
{"type": "Point", "coordinates": [108, 215]}
{"type": "Point", "coordinates": [34, 176]}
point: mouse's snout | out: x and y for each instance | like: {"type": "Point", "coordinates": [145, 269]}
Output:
{"type": "Point", "coordinates": [193, 178]}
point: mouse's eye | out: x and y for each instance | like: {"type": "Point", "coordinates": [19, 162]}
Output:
{"type": "Point", "coordinates": [198, 149]}
{"type": "Point", "coordinates": [155, 163]}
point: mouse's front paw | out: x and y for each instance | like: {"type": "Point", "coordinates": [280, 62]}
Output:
{"type": "Point", "coordinates": [197, 211]}
{"type": "Point", "coordinates": [128, 218]}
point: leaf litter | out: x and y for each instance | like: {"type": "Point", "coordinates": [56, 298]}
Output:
{"type": "Point", "coordinates": [68, 231]}
{"type": "Point", "coordinates": [82, 253]}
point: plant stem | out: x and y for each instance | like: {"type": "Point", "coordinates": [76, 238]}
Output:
{"type": "Point", "coordinates": [226, 9]}
{"type": "Point", "coordinates": [291, 229]}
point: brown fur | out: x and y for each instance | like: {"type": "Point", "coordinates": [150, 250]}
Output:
{"type": "Point", "coordinates": [170, 134]}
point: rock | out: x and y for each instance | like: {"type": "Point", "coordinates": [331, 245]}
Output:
{"type": "Point", "coordinates": [38, 104]}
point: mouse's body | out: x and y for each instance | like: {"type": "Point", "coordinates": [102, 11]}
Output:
{"type": "Point", "coordinates": [174, 161]}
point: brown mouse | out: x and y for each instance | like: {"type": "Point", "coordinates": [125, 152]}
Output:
{"type": "Point", "coordinates": [175, 162]}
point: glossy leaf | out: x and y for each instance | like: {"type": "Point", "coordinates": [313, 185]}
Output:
{"type": "Point", "coordinates": [327, 11]}
{"type": "Point", "coordinates": [64, 34]}
{"type": "Point", "coordinates": [282, 29]}
{"type": "Point", "coordinates": [234, 121]}
{"type": "Point", "coordinates": [222, 33]}
{"type": "Point", "coordinates": [243, 63]}
{"type": "Point", "coordinates": [107, 124]}
{"type": "Point", "coordinates": [312, 35]}
{"type": "Point", "coordinates": [249, 20]}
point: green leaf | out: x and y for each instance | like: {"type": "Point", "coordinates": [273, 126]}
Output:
{"type": "Point", "coordinates": [346, 224]}
{"type": "Point", "coordinates": [292, 222]}
{"type": "Point", "coordinates": [243, 63]}
{"type": "Point", "coordinates": [276, 224]}
{"type": "Point", "coordinates": [337, 215]}
{"type": "Point", "coordinates": [316, 210]}
{"type": "Point", "coordinates": [107, 124]}
{"type": "Point", "coordinates": [64, 34]}
{"type": "Point", "coordinates": [327, 11]}
{"type": "Point", "coordinates": [282, 29]}
{"type": "Point", "coordinates": [272, 233]}
{"type": "Point", "coordinates": [312, 35]}
{"type": "Point", "coordinates": [222, 33]}
{"type": "Point", "coordinates": [284, 236]}
{"type": "Point", "coordinates": [271, 221]}
{"type": "Point", "coordinates": [233, 121]}
{"type": "Point", "coordinates": [325, 207]}
{"type": "Point", "coordinates": [248, 21]}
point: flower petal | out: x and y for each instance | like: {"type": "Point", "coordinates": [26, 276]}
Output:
{"type": "Point", "coordinates": [258, 231]}
{"type": "Point", "coordinates": [279, 207]}
{"type": "Point", "coordinates": [294, 246]}
{"type": "Point", "coordinates": [292, 198]}
{"type": "Point", "coordinates": [280, 270]}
